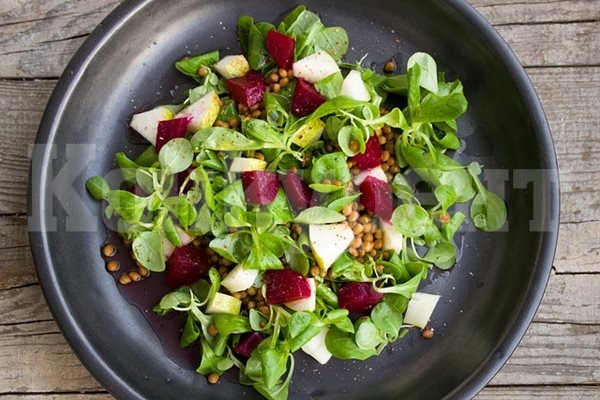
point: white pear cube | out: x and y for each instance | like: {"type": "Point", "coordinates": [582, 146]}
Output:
{"type": "Point", "coordinates": [307, 304]}
{"type": "Point", "coordinates": [239, 278]}
{"type": "Point", "coordinates": [232, 66]}
{"type": "Point", "coordinates": [168, 247]}
{"type": "Point", "coordinates": [420, 308]}
{"type": "Point", "coordinates": [241, 164]}
{"type": "Point", "coordinates": [375, 172]}
{"type": "Point", "coordinates": [223, 303]}
{"type": "Point", "coordinates": [354, 87]}
{"type": "Point", "coordinates": [146, 123]}
{"type": "Point", "coordinates": [316, 347]}
{"type": "Point", "coordinates": [315, 67]}
{"type": "Point", "coordinates": [392, 239]}
{"type": "Point", "coordinates": [328, 242]}
{"type": "Point", "coordinates": [202, 113]}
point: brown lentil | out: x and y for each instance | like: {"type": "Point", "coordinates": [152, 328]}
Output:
{"type": "Point", "coordinates": [251, 291]}
{"type": "Point", "coordinates": [389, 67]}
{"type": "Point", "coordinates": [143, 271]}
{"type": "Point", "coordinates": [378, 244]}
{"type": "Point", "coordinates": [109, 250]}
{"type": "Point", "coordinates": [283, 72]}
{"type": "Point", "coordinates": [134, 276]}
{"type": "Point", "coordinates": [213, 378]}
{"type": "Point", "coordinates": [367, 246]}
{"type": "Point", "coordinates": [203, 71]}
{"type": "Point", "coordinates": [251, 304]}
{"type": "Point", "coordinates": [212, 330]}
{"type": "Point", "coordinates": [315, 270]}
{"type": "Point", "coordinates": [427, 333]}
{"type": "Point", "coordinates": [353, 216]}
{"type": "Point", "coordinates": [124, 279]}
{"type": "Point", "coordinates": [385, 156]}
{"type": "Point", "coordinates": [284, 82]}
{"type": "Point", "coordinates": [276, 87]}
{"type": "Point", "coordinates": [347, 210]}
{"type": "Point", "coordinates": [358, 229]}
{"type": "Point", "coordinates": [112, 266]}
{"type": "Point", "coordinates": [274, 77]}
{"type": "Point", "coordinates": [264, 309]}
{"type": "Point", "coordinates": [256, 113]}
{"type": "Point", "coordinates": [356, 242]}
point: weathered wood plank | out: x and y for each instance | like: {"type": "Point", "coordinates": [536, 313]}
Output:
{"type": "Point", "coordinates": [579, 247]}
{"type": "Point", "coordinates": [40, 42]}
{"type": "Point", "coordinates": [539, 392]}
{"type": "Point", "coordinates": [16, 263]}
{"type": "Point", "coordinates": [37, 39]}
{"type": "Point", "coordinates": [537, 11]}
{"type": "Point", "coordinates": [23, 103]}
{"type": "Point", "coordinates": [554, 354]}
{"type": "Point", "coordinates": [30, 354]}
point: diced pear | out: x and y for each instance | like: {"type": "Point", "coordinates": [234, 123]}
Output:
{"type": "Point", "coordinates": [309, 133]}
{"type": "Point", "coordinates": [316, 347]}
{"type": "Point", "coordinates": [376, 172]}
{"type": "Point", "coordinates": [146, 123]}
{"type": "Point", "coordinates": [203, 112]}
{"type": "Point", "coordinates": [223, 303]}
{"type": "Point", "coordinates": [392, 239]}
{"type": "Point", "coordinates": [307, 304]}
{"type": "Point", "coordinates": [354, 87]}
{"type": "Point", "coordinates": [315, 67]}
{"type": "Point", "coordinates": [328, 242]}
{"type": "Point", "coordinates": [241, 164]}
{"type": "Point", "coordinates": [420, 308]}
{"type": "Point", "coordinates": [232, 66]}
{"type": "Point", "coordinates": [168, 247]}
{"type": "Point", "coordinates": [239, 278]}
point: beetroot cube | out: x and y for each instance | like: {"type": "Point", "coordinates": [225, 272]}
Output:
{"type": "Point", "coordinates": [306, 98]}
{"type": "Point", "coordinates": [260, 187]}
{"type": "Point", "coordinates": [247, 90]}
{"type": "Point", "coordinates": [358, 297]}
{"type": "Point", "coordinates": [170, 129]}
{"type": "Point", "coordinates": [298, 192]}
{"type": "Point", "coordinates": [281, 48]}
{"type": "Point", "coordinates": [371, 158]}
{"type": "Point", "coordinates": [247, 344]}
{"type": "Point", "coordinates": [187, 265]}
{"type": "Point", "coordinates": [377, 197]}
{"type": "Point", "coordinates": [284, 285]}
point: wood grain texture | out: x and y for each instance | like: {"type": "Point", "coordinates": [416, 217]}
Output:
{"type": "Point", "coordinates": [558, 41]}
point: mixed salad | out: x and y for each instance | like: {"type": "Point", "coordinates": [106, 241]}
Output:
{"type": "Point", "coordinates": [279, 200]}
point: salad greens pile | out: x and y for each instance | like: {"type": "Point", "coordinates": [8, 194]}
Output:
{"type": "Point", "coordinates": [186, 190]}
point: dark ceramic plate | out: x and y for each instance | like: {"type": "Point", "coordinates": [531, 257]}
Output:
{"type": "Point", "coordinates": [488, 299]}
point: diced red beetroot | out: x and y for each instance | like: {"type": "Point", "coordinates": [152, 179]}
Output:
{"type": "Point", "coordinates": [371, 157]}
{"type": "Point", "coordinates": [358, 297]}
{"type": "Point", "coordinates": [170, 129]}
{"type": "Point", "coordinates": [306, 98]}
{"type": "Point", "coordinates": [281, 48]}
{"type": "Point", "coordinates": [186, 265]}
{"type": "Point", "coordinates": [260, 187]}
{"type": "Point", "coordinates": [297, 191]}
{"type": "Point", "coordinates": [284, 285]}
{"type": "Point", "coordinates": [248, 89]}
{"type": "Point", "coordinates": [247, 344]}
{"type": "Point", "coordinates": [377, 197]}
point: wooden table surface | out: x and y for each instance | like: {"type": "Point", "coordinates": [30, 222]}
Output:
{"type": "Point", "coordinates": [558, 42]}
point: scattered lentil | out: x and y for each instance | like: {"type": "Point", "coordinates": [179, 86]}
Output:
{"type": "Point", "coordinates": [109, 250]}
{"type": "Point", "coordinates": [213, 378]}
{"type": "Point", "coordinates": [112, 266]}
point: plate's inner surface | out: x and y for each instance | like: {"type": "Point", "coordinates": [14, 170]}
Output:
{"type": "Point", "coordinates": [133, 70]}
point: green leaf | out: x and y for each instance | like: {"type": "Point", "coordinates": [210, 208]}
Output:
{"type": "Point", "coordinates": [436, 108]}
{"type": "Point", "coordinates": [331, 85]}
{"type": "Point", "coordinates": [274, 364]}
{"type": "Point", "coordinates": [98, 187]}
{"type": "Point", "coordinates": [280, 209]}
{"type": "Point", "coordinates": [148, 250]}
{"type": "Point", "coordinates": [488, 211]}
{"type": "Point", "coordinates": [191, 332]}
{"type": "Point", "coordinates": [319, 215]}
{"type": "Point", "coordinates": [171, 232]}
{"type": "Point", "coordinates": [129, 206]}
{"type": "Point", "coordinates": [223, 139]}
{"type": "Point", "coordinates": [332, 166]}
{"type": "Point", "coordinates": [228, 324]}
{"type": "Point", "coordinates": [410, 220]}
{"type": "Point", "coordinates": [428, 78]}
{"type": "Point", "coordinates": [333, 40]}
{"type": "Point", "coordinates": [190, 66]}
{"type": "Point", "coordinates": [343, 346]}
{"type": "Point", "coordinates": [339, 204]}
{"type": "Point", "coordinates": [351, 134]}
{"type": "Point", "coordinates": [442, 255]}
{"type": "Point", "coordinates": [450, 229]}
{"type": "Point", "coordinates": [367, 335]}
{"type": "Point", "coordinates": [446, 196]}
{"type": "Point", "coordinates": [176, 155]}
